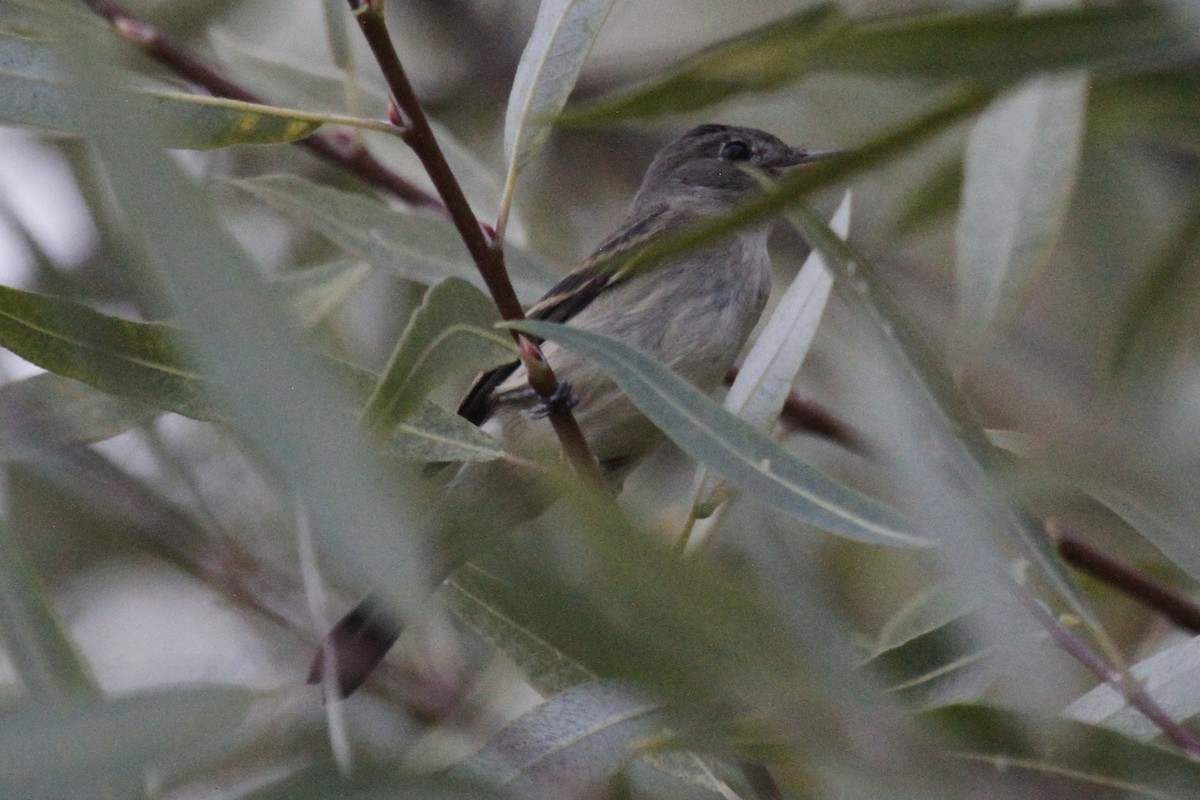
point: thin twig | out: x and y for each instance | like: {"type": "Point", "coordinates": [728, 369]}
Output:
{"type": "Point", "coordinates": [1133, 692]}
{"type": "Point", "coordinates": [485, 247]}
{"type": "Point", "coordinates": [336, 148]}
{"type": "Point", "coordinates": [1126, 578]}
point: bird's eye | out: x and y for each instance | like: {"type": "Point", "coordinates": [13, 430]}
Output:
{"type": "Point", "coordinates": [737, 150]}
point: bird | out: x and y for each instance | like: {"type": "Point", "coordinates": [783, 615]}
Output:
{"type": "Point", "coordinates": [693, 312]}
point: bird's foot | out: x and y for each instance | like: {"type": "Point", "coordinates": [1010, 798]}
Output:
{"type": "Point", "coordinates": [563, 398]}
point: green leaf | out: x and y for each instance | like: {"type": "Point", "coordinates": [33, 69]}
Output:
{"type": "Point", "coordinates": [562, 37]}
{"type": "Point", "coordinates": [930, 654]}
{"type": "Point", "coordinates": [42, 747]}
{"type": "Point", "coordinates": [585, 732]}
{"type": "Point", "coordinates": [961, 445]}
{"type": "Point", "coordinates": [417, 247]}
{"type": "Point", "coordinates": [1073, 759]}
{"type": "Point", "coordinates": [486, 604]}
{"type": "Point", "coordinates": [306, 85]}
{"type": "Point", "coordinates": [448, 334]}
{"type": "Point", "coordinates": [1174, 539]}
{"type": "Point", "coordinates": [33, 92]}
{"type": "Point", "coordinates": [1171, 677]}
{"type": "Point", "coordinates": [51, 669]}
{"type": "Point", "coordinates": [1021, 162]}
{"type": "Point", "coordinates": [732, 447]}
{"type": "Point", "coordinates": [139, 360]}
{"type": "Point", "coordinates": [315, 292]}
{"type": "Point", "coordinates": [51, 411]}
{"type": "Point", "coordinates": [285, 401]}
{"type": "Point", "coordinates": [766, 375]}
{"type": "Point", "coordinates": [433, 434]}
{"type": "Point", "coordinates": [1003, 48]}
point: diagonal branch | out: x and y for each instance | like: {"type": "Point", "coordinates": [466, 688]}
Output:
{"type": "Point", "coordinates": [335, 148]}
{"type": "Point", "coordinates": [485, 247]}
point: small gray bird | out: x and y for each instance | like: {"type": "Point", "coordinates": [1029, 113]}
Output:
{"type": "Point", "coordinates": [692, 313]}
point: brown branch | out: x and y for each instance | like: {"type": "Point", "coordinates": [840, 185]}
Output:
{"type": "Point", "coordinates": [486, 249]}
{"type": "Point", "coordinates": [1133, 692]}
{"type": "Point", "coordinates": [335, 148]}
{"type": "Point", "coordinates": [1126, 578]}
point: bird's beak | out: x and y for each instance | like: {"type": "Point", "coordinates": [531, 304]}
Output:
{"type": "Point", "coordinates": [798, 155]}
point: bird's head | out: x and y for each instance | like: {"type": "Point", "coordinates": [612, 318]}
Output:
{"type": "Point", "coordinates": [704, 169]}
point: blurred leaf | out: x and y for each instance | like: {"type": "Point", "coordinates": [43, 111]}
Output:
{"type": "Point", "coordinates": [51, 411]}
{"type": "Point", "coordinates": [766, 375]}
{"type": "Point", "coordinates": [306, 85]}
{"type": "Point", "coordinates": [420, 248]}
{"type": "Point", "coordinates": [145, 361]}
{"type": "Point", "coordinates": [1160, 106]}
{"type": "Point", "coordinates": [936, 197]}
{"type": "Point", "coordinates": [482, 602]}
{"type": "Point", "coordinates": [732, 447]}
{"type": "Point", "coordinates": [372, 780]}
{"type": "Point", "coordinates": [33, 92]}
{"type": "Point", "coordinates": [50, 668]}
{"type": "Point", "coordinates": [433, 434]}
{"type": "Point", "coordinates": [930, 654]}
{"type": "Point", "coordinates": [1149, 326]}
{"type": "Point", "coordinates": [315, 292]}
{"type": "Point", "coordinates": [140, 360]}
{"type": "Point", "coordinates": [929, 610]}
{"type": "Point", "coordinates": [1172, 677]}
{"type": "Point", "coordinates": [1074, 760]}
{"type": "Point", "coordinates": [562, 37]}
{"type": "Point", "coordinates": [283, 399]}
{"type": "Point", "coordinates": [1177, 542]}
{"type": "Point", "coordinates": [959, 444]}
{"type": "Point", "coordinates": [624, 607]}
{"type": "Point", "coordinates": [42, 747]}
{"type": "Point", "coordinates": [1021, 162]}
{"type": "Point", "coordinates": [1003, 48]}
{"type": "Point", "coordinates": [448, 334]}
{"type": "Point", "coordinates": [574, 743]}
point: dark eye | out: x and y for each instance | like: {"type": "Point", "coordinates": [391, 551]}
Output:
{"type": "Point", "coordinates": [736, 150]}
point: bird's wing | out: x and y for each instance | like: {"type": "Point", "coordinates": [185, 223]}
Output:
{"type": "Point", "coordinates": [573, 293]}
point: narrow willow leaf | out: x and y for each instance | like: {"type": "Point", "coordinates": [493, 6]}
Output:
{"type": "Point", "coordinates": [960, 441]}
{"type": "Point", "coordinates": [33, 92]}
{"type": "Point", "coordinates": [50, 668]}
{"type": "Point", "coordinates": [418, 247]}
{"type": "Point", "coordinates": [42, 747]}
{"type": "Point", "coordinates": [315, 292]}
{"type": "Point", "coordinates": [1172, 677]}
{"type": "Point", "coordinates": [1005, 48]}
{"type": "Point", "coordinates": [1021, 161]}
{"type": "Point", "coordinates": [139, 360]}
{"type": "Point", "coordinates": [584, 732]}
{"type": "Point", "coordinates": [433, 434]}
{"type": "Point", "coordinates": [307, 85]}
{"type": "Point", "coordinates": [562, 37]}
{"type": "Point", "coordinates": [1097, 763]}
{"type": "Point", "coordinates": [449, 333]}
{"type": "Point", "coordinates": [51, 411]}
{"type": "Point", "coordinates": [484, 603]}
{"type": "Point", "coordinates": [929, 653]}
{"type": "Point", "coordinates": [765, 377]}
{"type": "Point", "coordinates": [1175, 540]}
{"type": "Point", "coordinates": [731, 446]}
{"type": "Point", "coordinates": [280, 396]}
